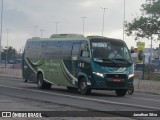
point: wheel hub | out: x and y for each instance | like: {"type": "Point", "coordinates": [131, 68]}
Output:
{"type": "Point", "coordinates": [83, 85]}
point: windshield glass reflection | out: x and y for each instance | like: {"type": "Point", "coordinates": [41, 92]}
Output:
{"type": "Point", "coordinates": [111, 52]}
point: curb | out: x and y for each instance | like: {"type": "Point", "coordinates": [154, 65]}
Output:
{"type": "Point", "coordinates": [147, 92]}
{"type": "Point", "coordinates": [10, 77]}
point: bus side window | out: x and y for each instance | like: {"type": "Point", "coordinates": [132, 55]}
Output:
{"type": "Point", "coordinates": [76, 50]}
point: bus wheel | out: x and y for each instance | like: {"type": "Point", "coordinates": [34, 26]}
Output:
{"type": "Point", "coordinates": [71, 88]}
{"type": "Point", "coordinates": [131, 90]}
{"type": "Point", "coordinates": [41, 83]}
{"type": "Point", "coordinates": [121, 92]}
{"type": "Point", "coordinates": [84, 89]}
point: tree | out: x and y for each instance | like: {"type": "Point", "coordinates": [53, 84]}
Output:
{"type": "Point", "coordinates": [8, 53]}
{"type": "Point", "coordinates": [153, 7]}
{"type": "Point", "coordinates": [148, 25]}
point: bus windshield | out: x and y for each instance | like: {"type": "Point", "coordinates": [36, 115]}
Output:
{"type": "Point", "coordinates": [112, 53]}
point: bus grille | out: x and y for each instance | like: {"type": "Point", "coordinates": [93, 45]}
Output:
{"type": "Point", "coordinates": [116, 76]}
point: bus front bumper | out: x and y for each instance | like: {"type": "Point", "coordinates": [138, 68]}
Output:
{"type": "Point", "coordinates": [110, 85]}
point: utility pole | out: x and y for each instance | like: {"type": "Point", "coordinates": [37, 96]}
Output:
{"type": "Point", "coordinates": [7, 37]}
{"type": "Point", "coordinates": [35, 30]}
{"type": "Point", "coordinates": [7, 48]}
{"type": "Point", "coordinates": [83, 23]}
{"type": "Point", "coordinates": [1, 30]}
{"type": "Point", "coordinates": [56, 26]}
{"type": "Point", "coordinates": [41, 30]}
{"type": "Point", "coordinates": [124, 14]}
{"type": "Point", "coordinates": [103, 19]}
{"type": "Point", "coordinates": [150, 2]}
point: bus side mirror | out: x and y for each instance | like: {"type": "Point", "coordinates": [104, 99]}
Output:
{"type": "Point", "coordinates": [85, 53]}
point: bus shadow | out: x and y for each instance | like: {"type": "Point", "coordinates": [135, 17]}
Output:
{"type": "Point", "coordinates": [64, 90]}
{"type": "Point", "coordinates": [76, 92]}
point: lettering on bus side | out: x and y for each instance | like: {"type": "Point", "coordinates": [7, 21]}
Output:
{"type": "Point", "coordinates": [51, 63]}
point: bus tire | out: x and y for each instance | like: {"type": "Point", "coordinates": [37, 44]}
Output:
{"type": "Point", "coordinates": [84, 89]}
{"type": "Point", "coordinates": [41, 83]}
{"type": "Point", "coordinates": [121, 92]}
{"type": "Point", "coordinates": [131, 90]}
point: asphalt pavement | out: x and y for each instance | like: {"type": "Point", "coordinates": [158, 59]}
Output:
{"type": "Point", "coordinates": [17, 95]}
{"type": "Point", "coordinates": [142, 86]}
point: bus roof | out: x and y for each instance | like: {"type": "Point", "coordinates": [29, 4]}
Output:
{"type": "Point", "coordinates": [97, 38]}
{"type": "Point", "coordinates": [60, 37]}
{"type": "Point", "coordinates": [68, 37]}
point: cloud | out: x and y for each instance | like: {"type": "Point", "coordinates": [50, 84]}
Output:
{"type": "Point", "coordinates": [87, 3]}
{"type": "Point", "coordinates": [21, 15]}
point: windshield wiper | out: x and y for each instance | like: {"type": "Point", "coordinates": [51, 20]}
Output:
{"type": "Point", "coordinates": [112, 60]}
{"type": "Point", "coordinates": [120, 59]}
{"type": "Point", "coordinates": [98, 59]}
{"type": "Point", "coordinates": [104, 60]}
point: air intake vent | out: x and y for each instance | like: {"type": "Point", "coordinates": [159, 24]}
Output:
{"type": "Point", "coordinates": [120, 76]}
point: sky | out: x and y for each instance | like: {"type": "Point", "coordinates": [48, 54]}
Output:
{"type": "Point", "coordinates": [21, 16]}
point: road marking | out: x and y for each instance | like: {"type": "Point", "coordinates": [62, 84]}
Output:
{"type": "Point", "coordinates": [84, 98]}
{"type": "Point", "coordinates": [146, 99]}
{"type": "Point", "coordinates": [148, 94]}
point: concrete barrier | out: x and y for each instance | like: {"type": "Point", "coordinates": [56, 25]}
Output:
{"type": "Point", "coordinates": [8, 72]}
{"type": "Point", "coordinates": [148, 86]}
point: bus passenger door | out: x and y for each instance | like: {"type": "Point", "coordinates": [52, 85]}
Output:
{"type": "Point", "coordinates": [74, 57]}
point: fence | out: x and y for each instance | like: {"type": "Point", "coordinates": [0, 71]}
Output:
{"type": "Point", "coordinates": [11, 70]}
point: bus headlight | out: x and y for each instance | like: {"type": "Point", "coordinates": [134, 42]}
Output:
{"type": "Point", "coordinates": [99, 74]}
{"type": "Point", "coordinates": [130, 76]}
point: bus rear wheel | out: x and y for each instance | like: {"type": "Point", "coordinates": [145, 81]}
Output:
{"type": "Point", "coordinates": [41, 83]}
{"type": "Point", "coordinates": [84, 89]}
{"type": "Point", "coordinates": [121, 92]}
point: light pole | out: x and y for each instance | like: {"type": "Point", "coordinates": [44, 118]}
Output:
{"type": "Point", "coordinates": [1, 29]}
{"type": "Point", "coordinates": [151, 2]}
{"type": "Point", "coordinates": [103, 19]}
{"type": "Point", "coordinates": [19, 54]}
{"type": "Point", "coordinates": [124, 18]}
{"type": "Point", "coordinates": [56, 26]}
{"type": "Point", "coordinates": [5, 51]}
{"type": "Point", "coordinates": [35, 30]}
{"type": "Point", "coordinates": [41, 30]}
{"type": "Point", "coordinates": [7, 37]}
{"type": "Point", "coordinates": [7, 48]}
{"type": "Point", "coordinates": [83, 23]}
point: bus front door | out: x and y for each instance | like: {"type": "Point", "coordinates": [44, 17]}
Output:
{"type": "Point", "coordinates": [74, 57]}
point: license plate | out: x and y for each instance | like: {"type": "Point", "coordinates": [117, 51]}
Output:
{"type": "Point", "coordinates": [117, 80]}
